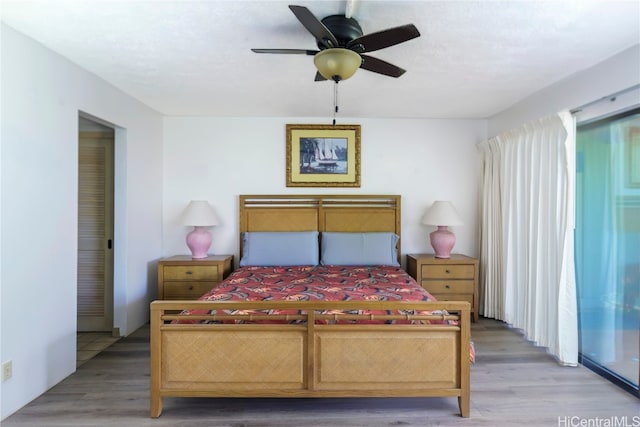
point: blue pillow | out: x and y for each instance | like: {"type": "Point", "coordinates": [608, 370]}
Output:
{"type": "Point", "coordinates": [266, 248]}
{"type": "Point", "coordinates": [359, 249]}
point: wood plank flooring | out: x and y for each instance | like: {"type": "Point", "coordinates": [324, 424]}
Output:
{"type": "Point", "coordinates": [512, 384]}
{"type": "Point", "coordinates": [90, 344]}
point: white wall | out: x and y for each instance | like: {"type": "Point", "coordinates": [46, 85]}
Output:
{"type": "Point", "coordinates": [217, 159]}
{"type": "Point", "coordinates": [617, 73]}
{"type": "Point", "coordinates": [42, 94]}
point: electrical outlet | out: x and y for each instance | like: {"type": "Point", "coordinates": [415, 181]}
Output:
{"type": "Point", "coordinates": [7, 370]}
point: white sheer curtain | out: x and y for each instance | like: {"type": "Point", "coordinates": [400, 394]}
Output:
{"type": "Point", "coordinates": [526, 233]}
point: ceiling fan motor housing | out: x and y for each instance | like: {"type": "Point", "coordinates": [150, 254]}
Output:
{"type": "Point", "coordinates": [344, 29]}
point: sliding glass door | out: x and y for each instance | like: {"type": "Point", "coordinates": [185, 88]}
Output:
{"type": "Point", "coordinates": [608, 246]}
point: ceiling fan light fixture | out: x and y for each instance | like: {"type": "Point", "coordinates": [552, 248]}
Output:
{"type": "Point", "coordinates": [337, 63]}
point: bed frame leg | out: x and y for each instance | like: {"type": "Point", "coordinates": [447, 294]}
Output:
{"type": "Point", "coordinates": [463, 404]}
{"type": "Point", "coordinates": [156, 406]}
{"type": "Point", "coordinates": [155, 397]}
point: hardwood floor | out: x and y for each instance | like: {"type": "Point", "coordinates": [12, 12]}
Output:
{"type": "Point", "coordinates": [90, 344]}
{"type": "Point", "coordinates": [512, 383]}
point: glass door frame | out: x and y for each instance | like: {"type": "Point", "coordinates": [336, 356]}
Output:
{"type": "Point", "coordinates": [585, 359]}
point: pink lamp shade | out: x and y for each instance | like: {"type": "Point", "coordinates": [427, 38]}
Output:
{"type": "Point", "coordinates": [200, 215]}
{"type": "Point", "coordinates": [442, 214]}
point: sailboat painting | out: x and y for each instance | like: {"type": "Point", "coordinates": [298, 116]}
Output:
{"type": "Point", "coordinates": [323, 156]}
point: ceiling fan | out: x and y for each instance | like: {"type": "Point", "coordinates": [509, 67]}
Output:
{"type": "Point", "coordinates": [344, 48]}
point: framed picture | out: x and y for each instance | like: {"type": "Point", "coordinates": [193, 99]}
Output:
{"type": "Point", "coordinates": [323, 156]}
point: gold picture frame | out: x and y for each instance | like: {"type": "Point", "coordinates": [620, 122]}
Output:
{"type": "Point", "coordinates": [323, 155]}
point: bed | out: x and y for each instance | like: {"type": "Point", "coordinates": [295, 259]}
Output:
{"type": "Point", "coordinates": [300, 345]}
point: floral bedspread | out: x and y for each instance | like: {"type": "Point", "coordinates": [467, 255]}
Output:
{"type": "Point", "coordinates": [323, 283]}
{"type": "Point", "coordinates": [317, 283]}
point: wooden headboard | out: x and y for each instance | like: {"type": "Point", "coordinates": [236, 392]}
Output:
{"type": "Point", "coordinates": [343, 213]}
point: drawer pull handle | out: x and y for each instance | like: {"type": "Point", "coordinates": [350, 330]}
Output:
{"type": "Point", "coordinates": [189, 272]}
{"type": "Point", "coordinates": [448, 271]}
{"type": "Point", "coordinates": [191, 287]}
{"type": "Point", "coordinates": [447, 286]}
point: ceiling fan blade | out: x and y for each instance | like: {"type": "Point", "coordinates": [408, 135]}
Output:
{"type": "Point", "coordinates": [287, 51]}
{"type": "Point", "coordinates": [385, 38]}
{"type": "Point", "coordinates": [314, 26]}
{"type": "Point", "coordinates": [376, 65]}
{"type": "Point", "coordinates": [319, 77]}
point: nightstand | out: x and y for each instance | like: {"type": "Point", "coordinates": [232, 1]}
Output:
{"type": "Point", "coordinates": [183, 278]}
{"type": "Point", "coordinates": [447, 279]}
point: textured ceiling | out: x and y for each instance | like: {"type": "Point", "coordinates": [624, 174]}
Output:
{"type": "Point", "coordinates": [473, 59]}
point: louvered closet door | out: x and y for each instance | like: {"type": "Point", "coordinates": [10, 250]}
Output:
{"type": "Point", "coordinates": [95, 231]}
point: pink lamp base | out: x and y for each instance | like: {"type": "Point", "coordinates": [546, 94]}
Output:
{"type": "Point", "coordinates": [199, 241]}
{"type": "Point", "coordinates": [442, 241]}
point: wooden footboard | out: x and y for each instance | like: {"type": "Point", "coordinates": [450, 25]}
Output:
{"type": "Point", "coordinates": [305, 357]}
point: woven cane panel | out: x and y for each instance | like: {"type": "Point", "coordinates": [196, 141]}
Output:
{"type": "Point", "coordinates": [241, 357]}
{"type": "Point", "coordinates": [374, 360]}
{"type": "Point", "coordinates": [281, 219]}
{"type": "Point", "coordinates": [359, 220]}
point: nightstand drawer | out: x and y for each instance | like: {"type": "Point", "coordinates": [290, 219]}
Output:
{"type": "Point", "coordinates": [187, 290]}
{"type": "Point", "coordinates": [449, 286]}
{"type": "Point", "coordinates": [447, 279]}
{"type": "Point", "coordinates": [454, 297]}
{"type": "Point", "coordinates": [448, 271]}
{"type": "Point", "coordinates": [190, 272]}
{"type": "Point", "coordinates": [182, 278]}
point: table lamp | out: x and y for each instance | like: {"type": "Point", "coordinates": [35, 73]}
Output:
{"type": "Point", "coordinates": [200, 215]}
{"type": "Point", "coordinates": [442, 214]}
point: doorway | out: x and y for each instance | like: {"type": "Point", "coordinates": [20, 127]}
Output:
{"type": "Point", "coordinates": [95, 227]}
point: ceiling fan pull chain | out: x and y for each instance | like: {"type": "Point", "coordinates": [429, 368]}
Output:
{"type": "Point", "coordinates": [335, 101]}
